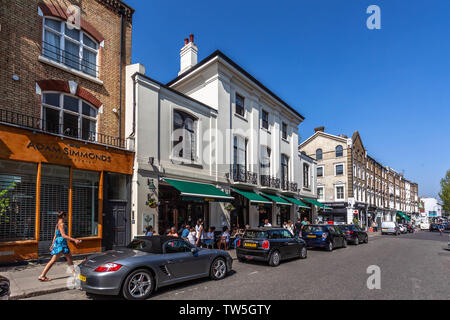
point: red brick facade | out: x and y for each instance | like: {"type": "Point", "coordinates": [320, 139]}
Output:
{"type": "Point", "coordinates": [21, 47]}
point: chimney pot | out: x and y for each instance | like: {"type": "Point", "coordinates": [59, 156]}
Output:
{"type": "Point", "coordinates": [186, 41]}
{"type": "Point", "coordinates": [319, 129]}
{"type": "Point", "coordinates": [191, 38]}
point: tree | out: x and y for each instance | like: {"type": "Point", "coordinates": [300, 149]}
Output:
{"type": "Point", "coordinates": [445, 192]}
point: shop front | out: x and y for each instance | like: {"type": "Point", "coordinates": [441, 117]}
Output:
{"type": "Point", "coordinates": [325, 212]}
{"type": "Point", "coordinates": [259, 208]}
{"type": "Point", "coordinates": [303, 210]}
{"type": "Point", "coordinates": [282, 209]}
{"type": "Point", "coordinates": [42, 174]}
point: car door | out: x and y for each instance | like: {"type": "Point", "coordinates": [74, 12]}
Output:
{"type": "Point", "coordinates": [337, 240]}
{"type": "Point", "coordinates": [291, 244]}
{"type": "Point", "coordinates": [181, 262]}
{"type": "Point", "coordinates": [277, 241]}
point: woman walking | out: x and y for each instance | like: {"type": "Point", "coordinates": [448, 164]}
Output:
{"type": "Point", "coordinates": [59, 246]}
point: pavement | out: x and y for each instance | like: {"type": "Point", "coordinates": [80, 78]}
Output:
{"type": "Point", "coordinates": [25, 283]}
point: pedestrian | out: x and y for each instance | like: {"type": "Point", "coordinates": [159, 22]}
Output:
{"type": "Point", "coordinates": [173, 232]}
{"type": "Point", "coordinates": [59, 246]}
{"type": "Point", "coordinates": [199, 233]}
{"type": "Point", "coordinates": [224, 238]}
{"type": "Point", "coordinates": [267, 223]}
{"type": "Point", "coordinates": [149, 231]}
{"type": "Point", "coordinates": [191, 236]}
{"type": "Point", "coordinates": [441, 228]}
{"type": "Point", "coordinates": [185, 232]}
{"type": "Point", "coordinates": [247, 227]}
{"type": "Point", "coordinates": [285, 225]}
{"type": "Point", "coordinates": [297, 227]}
{"type": "Point", "coordinates": [290, 227]}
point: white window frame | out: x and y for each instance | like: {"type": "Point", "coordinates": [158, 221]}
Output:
{"type": "Point", "coordinates": [336, 193]}
{"type": "Point", "coordinates": [343, 169]}
{"type": "Point", "coordinates": [307, 176]}
{"type": "Point", "coordinates": [197, 128]}
{"type": "Point", "coordinates": [323, 193]}
{"type": "Point", "coordinates": [80, 43]}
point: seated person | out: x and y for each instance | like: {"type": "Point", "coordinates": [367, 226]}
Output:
{"type": "Point", "coordinates": [173, 232]}
{"type": "Point", "coordinates": [209, 238]}
{"type": "Point", "coordinates": [224, 239]}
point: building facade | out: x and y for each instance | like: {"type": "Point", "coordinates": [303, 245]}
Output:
{"type": "Point", "coordinates": [225, 147]}
{"type": "Point", "coordinates": [62, 125]}
{"type": "Point", "coordinates": [355, 185]}
{"type": "Point", "coordinates": [432, 209]}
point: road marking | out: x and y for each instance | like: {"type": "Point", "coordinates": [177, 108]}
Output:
{"type": "Point", "coordinates": [252, 273]}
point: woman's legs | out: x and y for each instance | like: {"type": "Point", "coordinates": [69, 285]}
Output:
{"type": "Point", "coordinates": [50, 264]}
{"type": "Point", "coordinates": [69, 260]}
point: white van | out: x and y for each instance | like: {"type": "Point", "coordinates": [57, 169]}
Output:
{"type": "Point", "coordinates": [390, 227]}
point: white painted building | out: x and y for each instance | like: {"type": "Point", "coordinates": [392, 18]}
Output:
{"type": "Point", "coordinates": [433, 208]}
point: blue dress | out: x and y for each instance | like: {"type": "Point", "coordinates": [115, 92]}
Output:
{"type": "Point", "coordinates": [60, 244]}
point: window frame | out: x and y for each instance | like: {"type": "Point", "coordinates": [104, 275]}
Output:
{"type": "Point", "coordinates": [323, 193]}
{"type": "Point", "coordinates": [306, 174]}
{"type": "Point", "coordinates": [63, 36]}
{"type": "Point", "coordinates": [335, 169]}
{"type": "Point", "coordinates": [341, 151]}
{"type": "Point", "coordinates": [323, 171]}
{"type": "Point", "coordinates": [284, 131]}
{"type": "Point", "coordinates": [321, 154]}
{"type": "Point", "coordinates": [195, 133]}
{"type": "Point", "coordinates": [240, 107]}
{"type": "Point", "coordinates": [336, 192]}
{"type": "Point", "coordinates": [264, 112]}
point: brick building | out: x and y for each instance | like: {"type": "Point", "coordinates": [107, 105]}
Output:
{"type": "Point", "coordinates": [62, 123]}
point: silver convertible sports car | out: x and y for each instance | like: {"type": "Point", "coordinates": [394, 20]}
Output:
{"type": "Point", "coordinates": [148, 263]}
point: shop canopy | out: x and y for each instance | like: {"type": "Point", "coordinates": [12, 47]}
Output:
{"type": "Point", "coordinates": [253, 197]}
{"type": "Point", "coordinates": [401, 214]}
{"type": "Point", "coordinates": [317, 203]}
{"type": "Point", "coordinates": [297, 202]}
{"type": "Point", "coordinates": [200, 191]}
{"type": "Point", "coordinates": [277, 199]}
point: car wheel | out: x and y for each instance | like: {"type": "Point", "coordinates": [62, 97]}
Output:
{"type": "Point", "coordinates": [274, 259]}
{"type": "Point", "coordinates": [356, 241]}
{"type": "Point", "coordinates": [344, 244]}
{"type": "Point", "coordinates": [218, 269]}
{"type": "Point", "coordinates": [138, 285]}
{"type": "Point", "coordinates": [303, 253]}
{"type": "Point", "coordinates": [366, 239]}
{"type": "Point", "coordinates": [330, 246]}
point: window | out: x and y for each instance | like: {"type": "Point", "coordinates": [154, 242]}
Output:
{"type": "Point", "coordinates": [265, 120]}
{"type": "Point", "coordinates": [320, 193]}
{"type": "Point", "coordinates": [240, 158]}
{"type": "Point", "coordinates": [118, 191]}
{"type": "Point", "coordinates": [320, 171]}
{"type": "Point", "coordinates": [339, 169]}
{"type": "Point", "coordinates": [265, 161]}
{"type": "Point", "coordinates": [284, 130]}
{"type": "Point", "coordinates": [240, 109]}
{"type": "Point", "coordinates": [85, 203]}
{"type": "Point", "coordinates": [284, 169]}
{"type": "Point", "coordinates": [70, 116]}
{"type": "Point", "coordinates": [306, 175]}
{"type": "Point", "coordinates": [339, 192]}
{"type": "Point", "coordinates": [339, 151]}
{"type": "Point", "coordinates": [176, 246]}
{"type": "Point", "coordinates": [71, 47]}
{"type": "Point", "coordinates": [319, 154]}
{"type": "Point", "coordinates": [184, 135]}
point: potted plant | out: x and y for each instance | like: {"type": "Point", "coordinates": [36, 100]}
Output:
{"type": "Point", "coordinates": [229, 207]}
{"type": "Point", "coordinates": [152, 203]}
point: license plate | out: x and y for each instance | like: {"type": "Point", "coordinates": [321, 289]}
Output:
{"type": "Point", "coordinates": [310, 236]}
{"type": "Point", "coordinates": [82, 278]}
{"type": "Point", "coordinates": [250, 245]}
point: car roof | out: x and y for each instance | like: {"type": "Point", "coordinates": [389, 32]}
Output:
{"type": "Point", "coordinates": [156, 242]}
{"type": "Point", "coordinates": [265, 229]}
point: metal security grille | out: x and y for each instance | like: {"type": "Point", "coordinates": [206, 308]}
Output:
{"type": "Point", "coordinates": [54, 197]}
{"type": "Point", "coordinates": [18, 212]}
{"type": "Point", "coordinates": [84, 209]}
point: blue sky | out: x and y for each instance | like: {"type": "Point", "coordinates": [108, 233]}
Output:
{"type": "Point", "coordinates": [392, 85]}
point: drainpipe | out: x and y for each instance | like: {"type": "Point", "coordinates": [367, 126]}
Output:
{"type": "Point", "coordinates": [122, 34]}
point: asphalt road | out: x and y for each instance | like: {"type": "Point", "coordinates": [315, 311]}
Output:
{"type": "Point", "coordinates": [412, 266]}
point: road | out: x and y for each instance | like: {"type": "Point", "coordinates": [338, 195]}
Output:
{"type": "Point", "coordinates": [413, 266]}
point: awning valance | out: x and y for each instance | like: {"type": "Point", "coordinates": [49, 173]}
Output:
{"type": "Point", "coordinates": [401, 214]}
{"type": "Point", "coordinates": [253, 197]}
{"type": "Point", "coordinates": [277, 199]}
{"type": "Point", "coordinates": [198, 190]}
{"type": "Point", "coordinates": [317, 203]}
{"type": "Point", "coordinates": [297, 202]}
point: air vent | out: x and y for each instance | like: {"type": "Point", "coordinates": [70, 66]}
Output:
{"type": "Point", "coordinates": [165, 270]}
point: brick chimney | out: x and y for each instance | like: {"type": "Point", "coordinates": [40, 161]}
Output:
{"type": "Point", "coordinates": [188, 54]}
{"type": "Point", "coordinates": [319, 129]}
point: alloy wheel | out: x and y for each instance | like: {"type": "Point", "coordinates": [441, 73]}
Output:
{"type": "Point", "coordinates": [219, 269]}
{"type": "Point", "coordinates": [140, 285]}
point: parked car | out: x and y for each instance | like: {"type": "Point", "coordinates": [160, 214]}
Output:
{"type": "Point", "coordinates": [402, 228]}
{"type": "Point", "coordinates": [5, 289]}
{"type": "Point", "coordinates": [409, 228]}
{"type": "Point", "coordinates": [424, 226]}
{"type": "Point", "coordinates": [271, 245]}
{"type": "Point", "coordinates": [149, 263]}
{"type": "Point", "coordinates": [354, 234]}
{"type": "Point", "coordinates": [324, 236]}
{"type": "Point", "coordinates": [434, 227]}
{"type": "Point", "coordinates": [390, 227]}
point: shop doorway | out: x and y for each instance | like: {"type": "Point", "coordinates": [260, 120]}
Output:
{"type": "Point", "coordinates": [265, 213]}
{"type": "Point", "coordinates": [284, 216]}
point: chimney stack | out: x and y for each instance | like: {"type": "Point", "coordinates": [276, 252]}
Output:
{"type": "Point", "coordinates": [188, 54]}
{"type": "Point", "coordinates": [319, 129]}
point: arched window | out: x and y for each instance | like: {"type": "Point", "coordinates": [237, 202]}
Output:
{"type": "Point", "coordinates": [69, 115]}
{"type": "Point", "coordinates": [339, 151]}
{"type": "Point", "coordinates": [185, 135]}
{"type": "Point", "coordinates": [71, 47]}
{"type": "Point", "coordinates": [319, 154]}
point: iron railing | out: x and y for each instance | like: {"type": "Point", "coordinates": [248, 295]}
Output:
{"type": "Point", "coordinates": [71, 131]}
{"type": "Point", "coordinates": [240, 174]}
{"type": "Point", "coordinates": [69, 59]}
{"type": "Point", "coordinates": [271, 182]}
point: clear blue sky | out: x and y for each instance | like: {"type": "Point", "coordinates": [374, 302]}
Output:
{"type": "Point", "coordinates": [392, 85]}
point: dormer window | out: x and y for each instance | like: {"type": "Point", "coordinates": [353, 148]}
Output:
{"type": "Point", "coordinates": [72, 48]}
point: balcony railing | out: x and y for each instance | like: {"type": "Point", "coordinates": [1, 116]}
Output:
{"type": "Point", "coordinates": [270, 182]}
{"type": "Point", "coordinates": [288, 186]}
{"type": "Point", "coordinates": [240, 174]}
{"type": "Point", "coordinates": [71, 131]}
{"type": "Point", "coordinates": [69, 59]}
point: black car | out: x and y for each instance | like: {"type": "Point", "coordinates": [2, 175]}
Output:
{"type": "Point", "coordinates": [324, 236]}
{"type": "Point", "coordinates": [434, 227]}
{"type": "Point", "coordinates": [270, 245]}
{"type": "Point", "coordinates": [4, 288]}
{"type": "Point", "coordinates": [354, 234]}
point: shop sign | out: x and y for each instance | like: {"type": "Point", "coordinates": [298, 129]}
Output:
{"type": "Point", "coordinates": [148, 219]}
{"type": "Point", "coordinates": [355, 212]}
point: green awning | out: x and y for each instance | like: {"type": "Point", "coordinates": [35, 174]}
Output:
{"type": "Point", "coordinates": [297, 202]}
{"type": "Point", "coordinates": [277, 199]}
{"type": "Point", "coordinates": [199, 190]}
{"type": "Point", "coordinates": [253, 197]}
{"type": "Point", "coordinates": [317, 203]}
{"type": "Point", "coordinates": [401, 214]}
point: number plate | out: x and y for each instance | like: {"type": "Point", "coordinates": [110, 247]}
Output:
{"type": "Point", "coordinates": [82, 278]}
{"type": "Point", "coordinates": [310, 236]}
{"type": "Point", "coordinates": [250, 245]}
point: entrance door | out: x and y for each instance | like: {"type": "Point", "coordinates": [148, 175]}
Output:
{"type": "Point", "coordinates": [116, 225]}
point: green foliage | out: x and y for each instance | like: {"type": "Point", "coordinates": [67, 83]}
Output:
{"type": "Point", "coordinates": [355, 221]}
{"type": "Point", "coordinates": [5, 201]}
{"type": "Point", "coordinates": [445, 192]}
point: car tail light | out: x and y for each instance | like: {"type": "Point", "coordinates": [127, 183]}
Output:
{"type": "Point", "coordinates": [265, 245]}
{"type": "Point", "coordinates": [238, 244]}
{"type": "Point", "coordinates": [324, 235]}
{"type": "Point", "coordinates": [107, 267]}
{"type": "Point", "coordinates": [350, 232]}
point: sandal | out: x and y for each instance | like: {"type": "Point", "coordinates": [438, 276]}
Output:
{"type": "Point", "coordinates": [44, 279]}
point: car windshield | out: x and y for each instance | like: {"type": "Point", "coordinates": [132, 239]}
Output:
{"type": "Point", "coordinates": [139, 244]}
{"type": "Point", "coordinates": [313, 229]}
{"type": "Point", "coordinates": [345, 228]}
{"type": "Point", "coordinates": [255, 234]}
